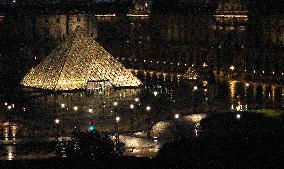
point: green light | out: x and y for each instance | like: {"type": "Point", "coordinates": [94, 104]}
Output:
{"type": "Point", "coordinates": [91, 128]}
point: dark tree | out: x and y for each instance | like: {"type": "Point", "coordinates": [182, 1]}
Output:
{"type": "Point", "coordinates": [91, 145]}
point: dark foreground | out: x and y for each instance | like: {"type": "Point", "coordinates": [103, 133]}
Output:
{"type": "Point", "coordinates": [226, 141]}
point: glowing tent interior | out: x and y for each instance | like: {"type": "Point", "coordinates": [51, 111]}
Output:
{"type": "Point", "coordinates": [76, 62]}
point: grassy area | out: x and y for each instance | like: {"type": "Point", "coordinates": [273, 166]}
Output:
{"type": "Point", "coordinates": [269, 112]}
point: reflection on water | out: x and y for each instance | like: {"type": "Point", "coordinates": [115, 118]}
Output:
{"type": "Point", "coordinates": [51, 116]}
{"type": "Point", "coordinates": [161, 129]}
{"type": "Point", "coordinates": [195, 118]}
{"type": "Point", "coordinates": [140, 147]}
{"type": "Point", "coordinates": [197, 129]}
{"type": "Point", "coordinates": [9, 130]}
{"type": "Point", "coordinates": [10, 150]}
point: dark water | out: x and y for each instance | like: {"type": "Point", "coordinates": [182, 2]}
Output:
{"type": "Point", "coordinates": [34, 117]}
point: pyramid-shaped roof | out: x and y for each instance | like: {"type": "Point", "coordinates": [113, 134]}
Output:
{"type": "Point", "coordinates": [75, 62]}
{"type": "Point", "coordinates": [190, 74]}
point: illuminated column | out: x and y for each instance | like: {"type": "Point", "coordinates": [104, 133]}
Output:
{"type": "Point", "coordinates": [273, 88]}
{"type": "Point", "coordinates": [178, 77]}
{"type": "Point", "coordinates": [164, 76]}
{"type": "Point", "coordinates": [145, 74]}
{"type": "Point", "coordinates": [158, 75]}
{"type": "Point", "coordinates": [246, 88]}
{"type": "Point", "coordinates": [151, 74]}
{"type": "Point", "coordinates": [232, 89]}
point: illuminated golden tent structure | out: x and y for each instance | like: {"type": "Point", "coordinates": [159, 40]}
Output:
{"type": "Point", "coordinates": [190, 74]}
{"type": "Point", "coordinates": [77, 62]}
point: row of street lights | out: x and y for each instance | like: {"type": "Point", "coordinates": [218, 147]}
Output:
{"type": "Point", "coordinates": [204, 65]}
{"type": "Point", "coordinates": [117, 119]}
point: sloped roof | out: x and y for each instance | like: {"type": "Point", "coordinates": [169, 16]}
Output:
{"type": "Point", "coordinates": [190, 74]}
{"type": "Point", "coordinates": [75, 62]}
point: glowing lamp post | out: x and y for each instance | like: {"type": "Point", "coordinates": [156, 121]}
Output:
{"type": "Point", "coordinates": [155, 93]}
{"type": "Point", "coordinates": [238, 116]}
{"type": "Point", "coordinates": [115, 104]}
{"type": "Point", "coordinates": [117, 119]}
{"type": "Point", "coordinates": [232, 68]}
{"type": "Point", "coordinates": [176, 116]}
{"type": "Point", "coordinates": [148, 108]}
{"type": "Point", "coordinates": [131, 106]}
{"type": "Point", "coordinates": [136, 99]}
{"type": "Point", "coordinates": [9, 108]}
{"type": "Point", "coordinates": [56, 121]}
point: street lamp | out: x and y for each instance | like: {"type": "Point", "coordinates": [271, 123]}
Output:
{"type": "Point", "coordinates": [115, 103]}
{"type": "Point", "coordinates": [195, 88]}
{"type": "Point", "coordinates": [56, 121]}
{"type": "Point", "coordinates": [9, 108]}
{"type": "Point", "coordinates": [62, 105]}
{"type": "Point", "coordinates": [176, 116]}
{"type": "Point", "coordinates": [238, 116]}
{"type": "Point", "coordinates": [148, 108]}
{"type": "Point", "coordinates": [155, 93]}
{"type": "Point", "coordinates": [117, 119]}
{"type": "Point", "coordinates": [232, 67]}
{"type": "Point", "coordinates": [75, 108]}
{"type": "Point", "coordinates": [131, 106]}
{"type": "Point", "coordinates": [90, 110]}
{"type": "Point", "coordinates": [136, 99]}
